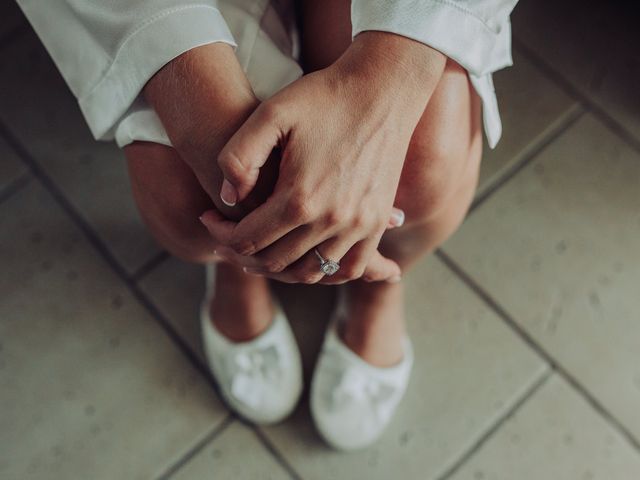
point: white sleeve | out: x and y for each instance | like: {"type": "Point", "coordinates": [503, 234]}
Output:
{"type": "Point", "coordinates": [474, 33]}
{"type": "Point", "coordinates": [108, 50]}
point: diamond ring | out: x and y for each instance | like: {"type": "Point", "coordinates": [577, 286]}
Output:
{"type": "Point", "coordinates": [328, 267]}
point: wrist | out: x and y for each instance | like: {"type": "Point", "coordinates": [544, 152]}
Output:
{"type": "Point", "coordinates": [202, 97]}
{"type": "Point", "coordinates": [393, 67]}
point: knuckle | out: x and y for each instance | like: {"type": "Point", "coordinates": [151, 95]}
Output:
{"type": "Point", "coordinates": [232, 165]}
{"type": "Point", "coordinates": [244, 247]}
{"type": "Point", "coordinates": [363, 221]}
{"type": "Point", "coordinates": [352, 272]}
{"type": "Point", "coordinates": [300, 208]}
{"type": "Point", "coordinates": [337, 216]}
{"type": "Point", "coordinates": [274, 266]}
{"type": "Point", "coordinates": [370, 276]}
{"type": "Point", "coordinates": [310, 278]}
{"type": "Point", "coordinates": [380, 226]}
{"type": "Point", "coordinates": [268, 112]}
{"type": "Point", "coordinates": [359, 272]}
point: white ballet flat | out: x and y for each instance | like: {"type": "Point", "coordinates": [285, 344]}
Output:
{"type": "Point", "coordinates": [352, 401]}
{"type": "Point", "coordinates": [260, 379]}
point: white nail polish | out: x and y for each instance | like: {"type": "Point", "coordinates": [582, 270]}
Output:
{"type": "Point", "coordinates": [228, 204]}
{"type": "Point", "coordinates": [398, 217]}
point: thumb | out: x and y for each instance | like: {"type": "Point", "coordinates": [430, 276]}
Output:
{"type": "Point", "coordinates": [245, 153]}
{"type": "Point", "coordinates": [381, 269]}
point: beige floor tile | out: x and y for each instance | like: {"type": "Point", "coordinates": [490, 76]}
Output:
{"type": "Point", "coordinates": [11, 168]}
{"type": "Point", "coordinates": [91, 386]}
{"type": "Point", "coordinates": [461, 383]}
{"type": "Point", "coordinates": [594, 45]}
{"type": "Point", "coordinates": [555, 435]}
{"type": "Point", "coordinates": [177, 289]}
{"type": "Point", "coordinates": [530, 106]}
{"type": "Point", "coordinates": [235, 454]}
{"type": "Point", "coordinates": [36, 105]}
{"type": "Point", "coordinates": [557, 246]}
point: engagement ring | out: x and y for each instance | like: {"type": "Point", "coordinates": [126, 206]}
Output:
{"type": "Point", "coordinates": [328, 267]}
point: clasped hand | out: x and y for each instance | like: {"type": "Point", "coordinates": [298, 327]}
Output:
{"type": "Point", "coordinates": [343, 133]}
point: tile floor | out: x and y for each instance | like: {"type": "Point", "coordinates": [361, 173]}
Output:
{"type": "Point", "coordinates": [526, 322]}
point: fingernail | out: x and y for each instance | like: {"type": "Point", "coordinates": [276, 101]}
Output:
{"type": "Point", "coordinates": [397, 218]}
{"type": "Point", "coordinates": [228, 193]}
{"type": "Point", "coordinates": [395, 279]}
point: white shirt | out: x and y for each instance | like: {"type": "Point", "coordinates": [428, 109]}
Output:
{"type": "Point", "coordinates": [108, 50]}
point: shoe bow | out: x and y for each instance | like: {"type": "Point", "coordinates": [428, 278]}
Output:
{"type": "Point", "coordinates": [356, 386]}
{"type": "Point", "coordinates": [253, 372]}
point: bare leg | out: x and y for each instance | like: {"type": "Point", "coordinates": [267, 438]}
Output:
{"type": "Point", "coordinates": [437, 185]}
{"type": "Point", "coordinates": [170, 201]}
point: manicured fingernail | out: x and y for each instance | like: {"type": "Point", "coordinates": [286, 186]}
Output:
{"type": "Point", "coordinates": [395, 279]}
{"type": "Point", "coordinates": [228, 193]}
{"type": "Point", "coordinates": [397, 218]}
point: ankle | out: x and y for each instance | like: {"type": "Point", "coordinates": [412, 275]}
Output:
{"type": "Point", "coordinates": [374, 327]}
{"type": "Point", "coordinates": [241, 307]}
{"type": "Point", "coordinates": [372, 296]}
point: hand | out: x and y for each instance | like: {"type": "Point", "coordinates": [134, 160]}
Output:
{"type": "Point", "coordinates": [201, 97]}
{"type": "Point", "coordinates": [344, 134]}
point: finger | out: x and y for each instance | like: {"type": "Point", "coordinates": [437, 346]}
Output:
{"type": "Point", "coordinates": [292, 247]}
{"type": "Point", "coordinates": [219, 227]}
{"type": "Point", "coordinates": [381, 268]}
{"type": "Point", "coordinates": [245, 153]}
{"type": "Point", "coordinates": [250, 264]}
{"type": "Point", "coordinates": [364, 261]}
{"type": "Point", "coordinates": [377, 268]}
{"type": "Point", "coordinates": [264, 226]}
{"type": "Point", "coordinates": [307, 269]}
{"type": "Point", "coordinates": [339, 250]}
{"type": "Point", "coordinates": [396, 219]}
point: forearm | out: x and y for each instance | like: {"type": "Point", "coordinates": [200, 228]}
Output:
{"type": "Point", "coordinates": [202, 98]}
{"type": "Point", "coordinates": [396, 73]}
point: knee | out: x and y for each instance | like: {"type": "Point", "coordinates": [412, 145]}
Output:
{"type": "Point", "coordinates": [440, 175]}
{"type": "Point", "coordinates": [184, 238]}
{"type": "Point", "coordinates": [441, 167]}
{"type": "Point", "coordinates": [170, 201]}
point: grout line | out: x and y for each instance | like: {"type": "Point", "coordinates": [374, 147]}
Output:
{"type": "Point", "coordinates": [500, 421]}
{"type": "Point", "coordinates": [560, 126]}
{"type": "Point", "coordinates": [107, 256]}
{"type": "Point", "coordinates": [275, 453]}
{"type": "Point", "coordinates": [15, 186]}
{"type": "Point", "coordinates": [568, 87]}
{"type": "Point", "coordinates": [102, 249]}
{"type": "Point", "coordinates": [198, 447]}
{"type": "Point", "coordinates": [150, 265]}
{"type": "Point", "coordinates": [530, 341]}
